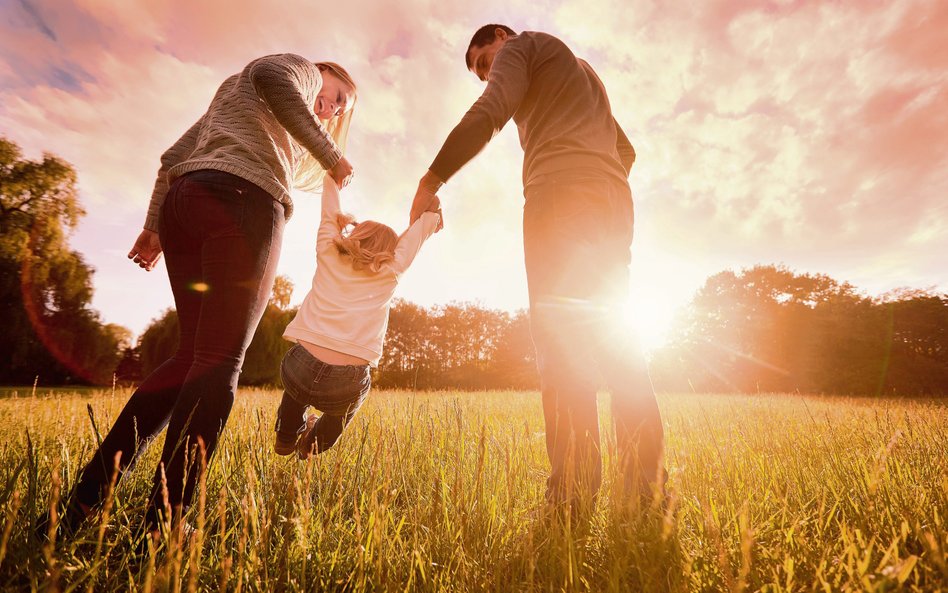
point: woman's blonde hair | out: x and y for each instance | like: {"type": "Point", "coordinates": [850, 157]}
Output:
{"type": "Point", "coordinates": [309, 173]}
{"type": "Point", "coordinates": [369, 244]}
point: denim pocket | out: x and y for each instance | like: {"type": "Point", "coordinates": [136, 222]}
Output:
{"type": "Point", "coordinates": [341, 391]}
{"type": "Point", "coordinates": [296, 375]}
{"type": "Point", "coordinates": [214, 208]}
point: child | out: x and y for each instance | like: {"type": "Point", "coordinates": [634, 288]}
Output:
{"type": "Point", "coordinates": [341, 324]}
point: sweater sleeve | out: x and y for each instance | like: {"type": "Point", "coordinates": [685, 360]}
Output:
{"type": "Point", "coordinates": [179, 152]}
{"type": "Point", "coordinates": [624, 148]}
{"type": "Point", "coordinates": [508, 83]}
{"type": "Point", "coordinates": [328, 221]}
{"type": "Point", "coordinates": [280, 81]}
{"type": "Point", "coordinates": [409, 244]}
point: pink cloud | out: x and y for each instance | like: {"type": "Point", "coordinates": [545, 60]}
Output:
{"type": "Point", "coordinates": [814, 134]}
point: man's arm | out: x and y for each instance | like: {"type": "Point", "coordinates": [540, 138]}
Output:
{"type": "Point", "coordinates": [426, 197]}
{"type": "Point", "coordinates": [506, 87]}
{"type": "Point", "coordinates": [624, 148]}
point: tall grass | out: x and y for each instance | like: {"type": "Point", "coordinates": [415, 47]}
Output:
{"type": "Point", "coordinates": [443, 492]}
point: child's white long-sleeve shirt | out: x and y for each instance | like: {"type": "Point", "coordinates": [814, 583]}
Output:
{"type": "Point", "coordinates": [347, 310]}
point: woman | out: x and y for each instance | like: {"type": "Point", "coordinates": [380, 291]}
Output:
{"type": "Point", "coordinates": [217, 212]}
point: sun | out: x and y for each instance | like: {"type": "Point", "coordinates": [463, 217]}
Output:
{"type": "Point", "coordinates": [649, 317]}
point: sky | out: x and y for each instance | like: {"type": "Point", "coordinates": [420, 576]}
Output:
{"type": "Point", "coordinates": [807, 134]}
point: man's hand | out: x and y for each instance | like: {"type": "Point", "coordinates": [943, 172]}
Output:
{"type": "Point", "coordinates": [342, 172]}
{"type": "Point", "coordinates": [147, 250]}
{"type": "Point", "coordinates": [426, 199]}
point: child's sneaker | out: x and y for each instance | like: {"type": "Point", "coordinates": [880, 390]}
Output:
{"type": "Point", "coordinates": [307, 442]}
{"type": "Point", "coordinates": [284, 445]}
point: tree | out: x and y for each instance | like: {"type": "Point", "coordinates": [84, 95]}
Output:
{"type": "Point", "coordinates": [45, 288]}
{"type": "Point", "coordinates": [769, 329]}
{"type": "Point", "coordinates": [282, 292]}
{"type": "Point", "coordinates": [158, 342]}
{"type": "Point", "coordinates": [262, 363]}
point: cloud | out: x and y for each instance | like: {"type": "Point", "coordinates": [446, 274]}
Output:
{"type": "Point", "coordinates": [814, 134]}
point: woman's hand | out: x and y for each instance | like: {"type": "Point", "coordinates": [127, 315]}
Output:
{"type": "Point", "coordinates": [147, 250]}
{"type": "Point", "coordinates": [342, 172]}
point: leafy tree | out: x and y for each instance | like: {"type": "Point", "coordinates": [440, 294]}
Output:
{"type": "Point", "coordinates": [266, 350]}
{"type": "Point", "coordinates": [46, 288]}
{"type": "Point", "coordinates": [262, 361]}
{"type": "Point", "coordinates": [158, 342]}
{"type": "Point", "coordinates": [769, 329]}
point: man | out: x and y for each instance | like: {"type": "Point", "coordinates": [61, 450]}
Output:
{"type": "Point", "coordinates": [577, 231]}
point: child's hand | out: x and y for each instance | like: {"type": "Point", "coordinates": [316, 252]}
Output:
{"type": "Point", "coordinates": [435, 206]}
{"type": "Point", "coordinates": [426, 194]}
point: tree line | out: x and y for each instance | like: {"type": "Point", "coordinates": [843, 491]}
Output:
{"type": "Point", "coordinates": [454, 346]}
{"type": "Point", "coordinates": [768, 329]}
{"type": "Point", "coordinates": [762, 329]}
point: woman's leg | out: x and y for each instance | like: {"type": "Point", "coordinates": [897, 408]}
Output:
{"type": "Point", "coordinates": [240, 228]}
{"type": "Point", "coordinates": [148, 409]}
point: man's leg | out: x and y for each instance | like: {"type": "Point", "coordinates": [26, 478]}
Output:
{"type": "Point", "coordinates": [639, 433]}
{"type": "Point", "coordinates": [561, 242]}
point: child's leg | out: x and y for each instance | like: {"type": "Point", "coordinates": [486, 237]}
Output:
{"type": "Point", "coordinates": [329, 428]}
{"type": "Point", "coordinates": [290, 418]}
{"type": "Point", "coordinates": [296, 372]}
{"type": "Point", "coordinates": [340, 395]}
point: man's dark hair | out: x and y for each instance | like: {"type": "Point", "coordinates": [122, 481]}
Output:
{"type": "Point", "coordinates": [484, 36]}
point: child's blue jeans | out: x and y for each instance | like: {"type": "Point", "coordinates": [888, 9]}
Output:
{"type": "Point", "coordinates": [335, 390]}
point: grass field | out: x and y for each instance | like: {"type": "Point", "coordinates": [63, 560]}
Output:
{"type": "Point", "coordinates": [442, 492]}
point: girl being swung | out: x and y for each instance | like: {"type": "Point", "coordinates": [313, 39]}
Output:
{"type": "Point", "coordinates": [340, 327]}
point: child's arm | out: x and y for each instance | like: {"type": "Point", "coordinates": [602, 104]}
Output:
{"type": "Point", "coordinates": [409, 244]}
{"type": "Point", "coordinates": [328, 222]}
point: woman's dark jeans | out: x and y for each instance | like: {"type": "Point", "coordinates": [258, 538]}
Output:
{"type": "Point", "coordinates": [221, 239]}
{"type": "Point", "coordinates": [577, 231]}
{"type": "Point", "coordinates": [336, 390]}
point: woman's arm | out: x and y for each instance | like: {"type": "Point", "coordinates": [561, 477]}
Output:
{"type": "Point", "coordinates": [179, 152]}
{"type": "Point", "coordinates": [282, 81]}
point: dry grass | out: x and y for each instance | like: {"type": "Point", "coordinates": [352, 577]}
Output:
{"type": "Point", "coordinates": [442, 491]}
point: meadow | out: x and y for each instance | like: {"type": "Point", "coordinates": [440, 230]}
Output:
{"type": "Point", "coordinates": [443, 492]}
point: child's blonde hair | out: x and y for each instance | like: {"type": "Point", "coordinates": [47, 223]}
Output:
{"type": "Point", "coordinates": [370, 244]}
